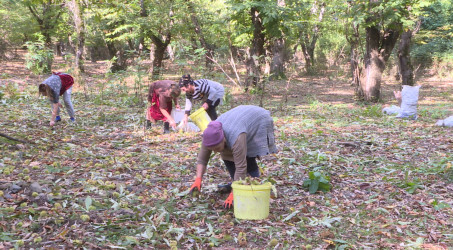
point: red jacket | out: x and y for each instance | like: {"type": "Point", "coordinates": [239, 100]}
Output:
{"type": "Point", "coordinates": [66, 81]}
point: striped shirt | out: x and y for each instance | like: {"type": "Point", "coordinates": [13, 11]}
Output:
{"type": "Point", "coordinates": [206, 90]}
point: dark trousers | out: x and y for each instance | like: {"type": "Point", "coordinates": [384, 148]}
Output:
{"type": "Point", "coordinates": [211, 110]}
{"type": "Point", "coordinates": [252, 167]}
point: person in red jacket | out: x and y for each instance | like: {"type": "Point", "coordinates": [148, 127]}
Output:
{"type": "Point", "coordinates": [161, 95]}
{"type": "Point", "coordinates": [58, 84]}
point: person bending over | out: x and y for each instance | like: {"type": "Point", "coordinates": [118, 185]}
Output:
{"type": "Point", "coordinates": [240, 136]}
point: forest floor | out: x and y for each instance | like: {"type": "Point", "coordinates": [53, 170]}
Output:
{"type": "Point", "coordinates": [107, 182]}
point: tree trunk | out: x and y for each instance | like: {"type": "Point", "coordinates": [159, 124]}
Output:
{"type": "Point", "coordinates": [77, 13]}
{"type": "Point", "coordinates": [112, 49]}
{"type": "Point", "coordinates": [405, 65]}
{"type": "Point", "coordinates": [46, 21]}
{"type": "Point", "coordinates": [171, 53]}
{"type": "Point", "coordinates": [256, 53]}
{"type": "Point", "coordinates": [277, 67]}
{"type": "Point", "coordinates": [309, 36]}
{"type": "Point", "coordinates": [308, 49]}
{"type": "Point", "coordinates": [121, 61]}
{"type": "Point", "coordinates": [378, 51]}
{"type": "Point", "coordinates": [141, 40]}
{"type": "Point", "coordinates": [207, 47]}
{"type": "Point", "coordinates": [159, 51]}
{"type": "Point", "coordinates": [355, 58]}
{"type": "Point", "coordinates": [58, 47]}
{"type": "Point", "coordinates": [160, 47]}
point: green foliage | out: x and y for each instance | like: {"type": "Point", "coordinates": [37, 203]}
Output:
{"type": "Point", "coordinates": [17, 23]}
{"type": "Point", "coordinates": [373, 111]}
{"type": "Point", "coordinates": [433, 42]}
{"type": "Point", "coordinates": [317, 182]}
{"type": "Point", "coordinates": [227, 98]}
{"type": "Point", "coordinates": [440, 205]}
{"type": "Point", "coordinates": [39, 58]}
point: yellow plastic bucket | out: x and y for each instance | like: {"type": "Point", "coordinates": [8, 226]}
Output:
{"type": "Point", "coordinates": [251, 202]}
{"type": "Point", "coordinates": [200, 118]}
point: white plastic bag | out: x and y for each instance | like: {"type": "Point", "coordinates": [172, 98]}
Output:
{"type": "Point", "coordinates": [446, 122]}
{"type": "Point", "coordinates": [409, 102]}
{"type": "Point", "coordinates": [177, 114]}
{"type": "Point", "coordinates": [190, 127]}
{"type": "Point", "coordinates": [393, 110]}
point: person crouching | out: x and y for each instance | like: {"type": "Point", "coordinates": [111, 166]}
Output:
{"type": "Point", "coordinates": [240, 135]}
{"type": "Point", "coordinates": [58, 84]}
{"type": "Point", "coordinates": [161, 96]}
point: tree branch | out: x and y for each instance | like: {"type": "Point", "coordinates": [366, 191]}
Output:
{"type": "Point", "coordinates": [14, 139]}
{"type": "Point", "coordinates": [33, 12]}
{"type": "Point", "coordinates": [231, 79]}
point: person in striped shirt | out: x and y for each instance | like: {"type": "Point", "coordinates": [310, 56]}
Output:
{"type": "Point", "coordinates": [209, 92]}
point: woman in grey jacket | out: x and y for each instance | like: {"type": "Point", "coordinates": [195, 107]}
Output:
{"type": "Point", "coordinates": [210, 92]}
{"type": "Point", "coordinates": [239, 135]}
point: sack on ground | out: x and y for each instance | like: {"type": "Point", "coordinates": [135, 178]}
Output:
{"type": "Point", "coordinates": [190, 127]}
{"type": "Point", "coordinates": [409, 102]}
{"type": "Point", "coordinates": [446, 122]}
{"type": "Point", "coordinates": [393, 110]}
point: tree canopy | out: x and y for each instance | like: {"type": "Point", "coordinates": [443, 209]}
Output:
{"type": "Point", "coordinates": [263, 35]}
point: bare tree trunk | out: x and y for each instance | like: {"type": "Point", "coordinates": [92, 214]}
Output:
{"type": "Point", "coordinates": [354, 41]}
{"type": "Point", "coordinates": [256, 53]}
{"type": "Point", "coordinates": [46, 21]}
{"type": "Point", "coordinates": [308, 38]}
{"type": "Point", "coordinates": [121, 60]}
{"type": "Point", "coordinates": [58, 47]}
{"type": "Point", "coordinates": [141, 40]}
{"type": "Point", "coordinates": [77, 15]}
{"type": "Point", "coordinates": [279, 54]}
{"type": "Point", "coordinates": [160, 47]}
{"type": "Point", "coordinates": [207, 47]}
{"type": "Point", "coordinates": [171, 53]}
{"type": "Point", "coordinates": [378, 51]}
{"type": "Point", "coordinates": [405, 65]}
{"type": "Point", "coordinates": [308, 49]}
{"type": "Point", "coordinates": [159, 51]}
{"type": "Point", "coordinates": [279, 57]}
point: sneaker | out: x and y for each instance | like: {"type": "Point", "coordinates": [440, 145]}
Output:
{"type": "Point", "coordinates": [72, 119]}
{"type": "Point", "coordinates": [57, 118]}
{"type": "Point", "coordinates": [148, 124]}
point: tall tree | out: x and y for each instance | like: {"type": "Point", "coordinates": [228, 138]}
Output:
{"type": "Point", "coordinates": [404, 59]}
{"type": "Point", "coordinates": [47, 13]}
{"type": "Point", "coordinates": [76, 9]}
{"type": "Point", "coordinates": [309, 26]}
{"type": "Point", "coordinates": [256, 53]}
{"type": "Point", "coordinates": [277, 33]}
{"type": "Point", "coordinates": [209, 52]}
{"type": "Point", "coordinates": [384, 22]}
{"type": "Point", "coordinates": [160, 33]}
{"type": "Point", "coordinates": [14, 26]}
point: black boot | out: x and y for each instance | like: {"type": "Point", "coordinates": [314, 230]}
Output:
{"type": "Point", "coordinates": [148, 124]}
{"type": "Point", "coordinates": [166, 128]}
{"type": "Point", "coordinates": [224, 188]}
